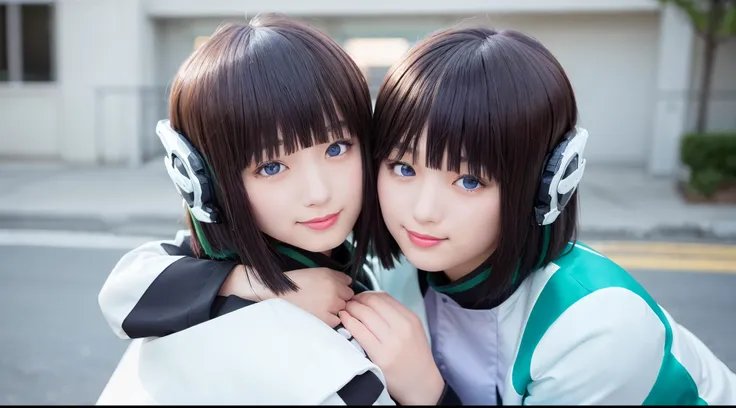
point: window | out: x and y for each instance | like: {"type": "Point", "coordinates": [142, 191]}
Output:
{"type": "Point", "coordinates": [3, 44]}
{"type": "Point", "coordinates": [26, 45]}
{"type": "Point", "coordinates": [36, 41]}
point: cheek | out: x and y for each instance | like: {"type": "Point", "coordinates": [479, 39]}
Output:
{"type": "Point", "coordinates": [345, 178]}
{"type": "Point", "coordinates": [267, 202]}
{"type": "Point", "coordinates": [480, 219]}
{"type": "Point", "coordinates": [354, 176]}
{"type": "Point", "coordinates": [391, 194]}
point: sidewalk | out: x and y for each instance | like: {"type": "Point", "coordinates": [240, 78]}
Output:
{"type": "Point", "coordinates": [616, 202]}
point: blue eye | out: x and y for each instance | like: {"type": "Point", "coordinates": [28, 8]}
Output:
{"type": "Point", "coordinates": [336, 149]}
{"type": "Point", "coordinates": [271, 169]}
{"type": "Point", "coordinates": [403, 170]}
{"type": "Point", "coordinates": [469, 183]}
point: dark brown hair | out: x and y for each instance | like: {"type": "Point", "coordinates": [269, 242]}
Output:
{"type": "Point", "coordinates": [503, 101]}
{"type": "Point", "coordinates": [243, 91]}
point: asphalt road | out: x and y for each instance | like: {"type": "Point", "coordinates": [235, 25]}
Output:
{"type": "Point", "coordinates": [56, 348]}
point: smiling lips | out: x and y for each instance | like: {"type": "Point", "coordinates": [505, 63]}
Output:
{"type": "Point", "coordinates": [424, 241]}
{"type": "Point", "coordinates": [322, 223]}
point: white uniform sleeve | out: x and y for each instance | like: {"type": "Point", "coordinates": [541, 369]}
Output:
{"type": "Point", "coordinates": [272, 353]}
{"type": "Point", "coordinates": [716, 382]}
{"type": "Point", "coordinates": [159, 288]}
{"type": "Point", "coordinates": [606, 349]}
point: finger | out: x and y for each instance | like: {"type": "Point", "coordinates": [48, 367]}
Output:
{"type": "Point", "coordinates": [343, 278]}
{"type": "Point", "coordinates": [337, 306]}
{"type": "Point", "coordinates": [332, 320]}
{"type": "Point", "coordinates": [360, 332]}
{"type": "Point", "coordinates": [382, 307]}
{"type": "Point", "coordinates": [370, 318]}
{"type": "Point", "coordinates": [390, 300]}
{"type": "Point", "coordinates": [345, 292]}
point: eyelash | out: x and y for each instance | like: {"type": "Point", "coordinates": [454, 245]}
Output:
{"type": "Point", "coordinates": [393, 163]}
{"type": "Point", "coordinates": [348, 145]}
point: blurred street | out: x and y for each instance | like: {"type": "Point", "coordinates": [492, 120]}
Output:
{"type": "Point", "coordinates": [63, 351]}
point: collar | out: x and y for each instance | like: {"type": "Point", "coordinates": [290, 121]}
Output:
{"type": "Point", "coordinates": [466, 291]}
{"type": "Point", "coordinates": [296, 258]}
{"type": "Point", "coordinates": [340, 259]}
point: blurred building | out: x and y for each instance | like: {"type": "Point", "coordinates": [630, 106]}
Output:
{"type": "Point", "coordinates": [84, 81]}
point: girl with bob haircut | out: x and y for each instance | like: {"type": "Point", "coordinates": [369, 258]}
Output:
{"type": "Point", "coordinates": [477, 158]}
{"type": "Point", "coordinates": [268, 143]}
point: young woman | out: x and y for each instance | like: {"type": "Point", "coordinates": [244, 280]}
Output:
{"type": "Point", "coordinates": [268, 144]}
{"type": "Point", "coordinates": [478, 159]}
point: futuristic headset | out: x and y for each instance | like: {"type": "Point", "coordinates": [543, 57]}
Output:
{"type": "Point", "coordinates": [189, 172]}
{"type": "Point", "coordinates": [561, 176]}
{"type": "Point", "coordinates": [191, 175]}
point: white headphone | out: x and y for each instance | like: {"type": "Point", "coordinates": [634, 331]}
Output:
{"type": "Point", "coordinates": [561, 176]}
{"type": "Point", "coordinates": [189, 172]}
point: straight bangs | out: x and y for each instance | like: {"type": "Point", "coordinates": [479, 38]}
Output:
{"type": "Point", "coordinates": [440, 90]}
{"type": "Point", "coordinates": [497, 99]}
{"type": "Point", "coordinates": [253, 92]}
{"type": "Point", "coordinates": [298, 99]}
{"type": "Point", "coordinates": [273, 92]}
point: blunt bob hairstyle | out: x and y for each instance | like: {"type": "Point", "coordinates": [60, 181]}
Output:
{"type": "Point", "coordinates": [499, 99]}
{"type": "Point", "coordinates": [246, 89]}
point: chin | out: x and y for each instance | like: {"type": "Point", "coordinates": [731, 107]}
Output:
{"type": "Point", "coordinates": [426, 262]}
{"type": "Point", "coordinates": [318, 242]}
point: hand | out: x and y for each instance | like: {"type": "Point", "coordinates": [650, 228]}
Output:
{"type": "Point", "coordinates": [394, 339]}
{"type": "Point", "coordinates": [322, 292]}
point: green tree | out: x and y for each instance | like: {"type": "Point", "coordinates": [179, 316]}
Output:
{"type": "Point", "coordinates": [714, 21]}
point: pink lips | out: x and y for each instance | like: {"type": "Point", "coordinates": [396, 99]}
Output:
{"type": "Point", "coordinates": [424, 241]}
{"type": "Point", "coordinates": [322, 223]}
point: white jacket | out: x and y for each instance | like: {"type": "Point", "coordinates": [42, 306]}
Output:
{"type": "Point", "coordinates": [580, 330]}
{"type": "Point", "coordinates": [271, 352]}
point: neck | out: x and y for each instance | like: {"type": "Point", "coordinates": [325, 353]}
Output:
{"type": "Point", "coordinates": [461, 271]}
{"type": "Point", "coordinates": [327, 252]}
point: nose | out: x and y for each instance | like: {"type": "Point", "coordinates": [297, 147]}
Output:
{"type": "Point", "coordinates": [427, 207]}
{"type": "Point", "coordinates": [317, 189]}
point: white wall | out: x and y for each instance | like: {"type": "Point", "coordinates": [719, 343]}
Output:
{"type": "Point", "coordinates": [28, 121]}
{"type": "Point", "coordinates": [610, 59]}
{"type": "Point", "coordinates": [102, 44]}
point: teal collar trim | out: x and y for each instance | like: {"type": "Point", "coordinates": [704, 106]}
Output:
{"type": "Point", "coordinates": [464, 284]}
{"type": "Point", "coordinates": [293, 254]}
